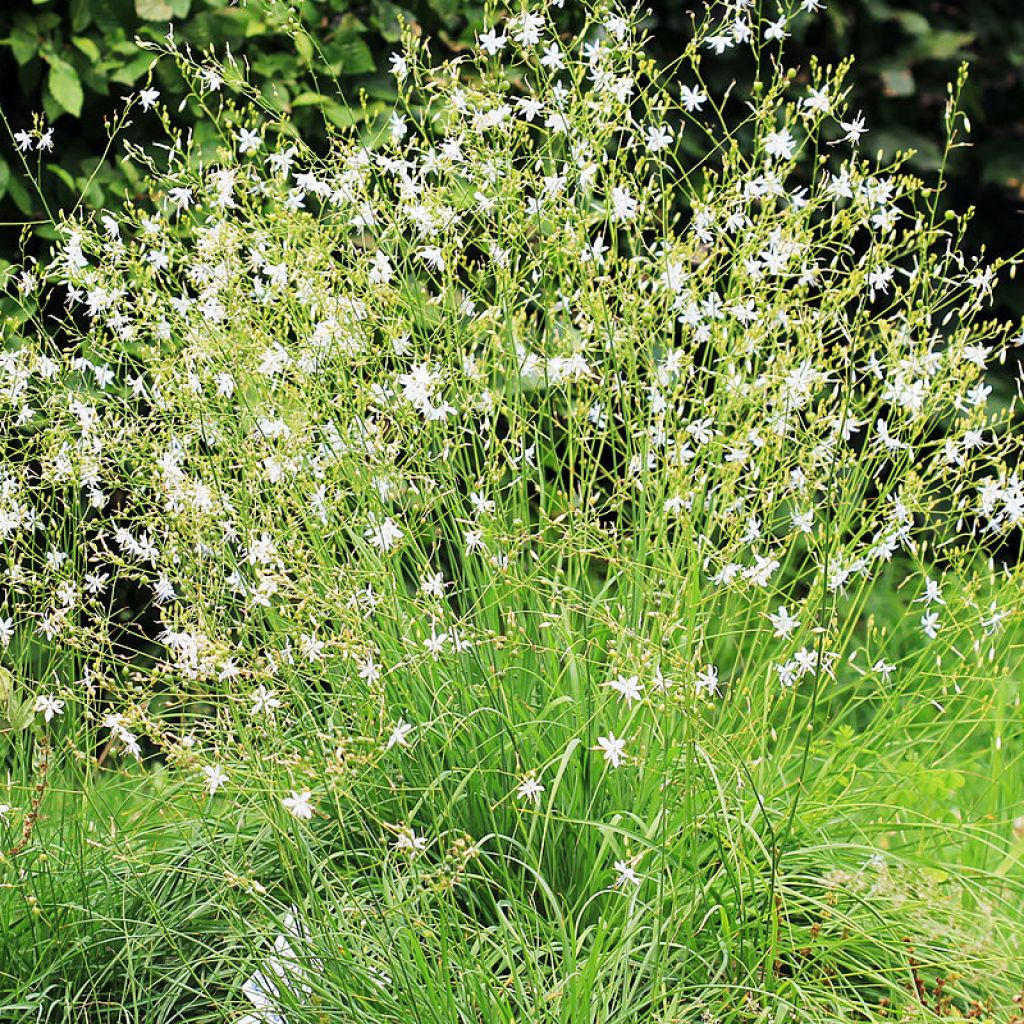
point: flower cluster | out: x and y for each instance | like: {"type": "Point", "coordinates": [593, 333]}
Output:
{"type": "Point", "coordinates": [498, 435]}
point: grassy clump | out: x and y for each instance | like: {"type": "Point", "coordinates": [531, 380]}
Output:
{"type": "Point", "coordinates": [540, 579]}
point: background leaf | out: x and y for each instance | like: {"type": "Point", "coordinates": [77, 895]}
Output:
{"type": "Point", "coordinates": [65, 86]}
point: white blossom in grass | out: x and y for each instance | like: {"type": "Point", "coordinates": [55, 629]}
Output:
{"type": "Point", "coordinates": [6, 631]}
{"type": "Point", "coordinates": [624, 204]}
{"type": "Point", "coordinates": [628, 687]}
{"type": "Point", "coordinates": [932, 592]}
{"type": "Point", "coordinates": [181, 196]}
{"type": "Point", "coordinates": [23, 140]}
{"type": "Point", "coordinates": [298, 805]}
{"type": "Point", "coordinates": [398, 126]}
{"type": "Point", "coordinates": [657, 137]}
{"type": "Point", "coordinates": [432, 585]}
{"type": "Point", "coordinates": [761, 571]}
{"type": "Point", "coordinates": [626, 874]}
{"type": "Point", "coordinates": [95, 584]}
{"type": "Point", "coordinates": [482, 505]}
{"type": "Point", "coordinates": [48, 706]}
{"type": "Point", "coordinates": [887, 440]}
{"type": "Point", "coordinates": [381, 270]}
{"type": "Point", "coordinates": [612, 748]}
{"type": "Point", "coordinates": [783, 623]}
{"type": "Point", "coordinates": [211, 78]}
{"type": "Point", "coordinates": [5, 809]}
{"type": "Point", "coordinates": [817, 100]}
{"type": "Point", "coordinates": [383, 534]}
{"type": "Point", "coordinates": [148, 98]}
{"type": "Point", "coordinates": [435, 643]}
{"type": "Point", "coordinates": [692, 98]}
{"type": "Point", "coordinates": [282, 972]}
{"type": "Point", "coordinates": [163, 590]}
{"type": "Point", "coordinates": [408, 842]}
{"type": "Point", "coordinates": [992, 623]}
{"type": "Point", "coordinates": [803, 521]}
{"type": "Point", "coordinates": [311, 647]}
{"type": "Point", "coordinates": [45, 141]}
{"type": "Point", "coordinates": [854, 129]}
{"type": "Point", "coordinates": [741, 31]}
{"type": "Point", "coordinates": [248, 140]}
{"type": "Point", "coordinates": [594, 252]}
{"type": "Point", "coordinates": [492, 42]}
{"type": "Point", "coordinates": [530, 788]}
{"type": "Point", "coordinates": [552, 59]}
{"type": "Point", "coordinates": [281, 161]}
{"type": "Point", "coordinates": [120, 734]}
{"type": "Point", "coordinates": [776, 31]}
{"type": "Point", "coordinates": [264, 701]}
{"type": "Point", "coordinates": [880, 281]}
{"type": "Point", "coordinates": [780, 144]}
{"type": "Point", "coordinates": [418, 386]}
{"type": "Point", "coordinates": [215, 777]}
{"type": "Point", "coordinates": [528, 28]}
{"type": "Point", "coordinates": [399, 66]}
{"type": "Point", "coordinates": [399, 735]}
{"type": "Point", "coordinates": [930, 625]}
{"type": "Point", "coordinates": [432, 256]}
{"type": "Point", "coordinates": [617, 26]}
{"type": "Point", "coordinates": [707, 680]}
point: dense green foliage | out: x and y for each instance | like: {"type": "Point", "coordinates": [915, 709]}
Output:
{"type": "Point", "coordinates": [73, 62]}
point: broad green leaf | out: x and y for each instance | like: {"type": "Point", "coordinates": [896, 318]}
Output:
{"type": "Point", "coordinates": [353, 56]}
{"type": "Point", "coordinates": [64, 175]}
{"type": "Point", "coordinates": [304, 47]}
{"type": "Point", "coordinates": [5, 176]}
{"type": "Point", "coordinates": [162, 10]}
{"type": "Point", "coordinates": [943, 45]}
{"type": "Point", "coordinates": [447, 9]}
{"type": "Point", "coordinates": [20, 713]}
{"type": "Point", "coordinates": [21, 196]}
{"type": "Point", "coordinates": [340, 115]}
{"type": "Point", "coordinates": [898, 80]}
{"type": "Point", "coordinates": [24, 43]}
{"type": "Point", "coordinates": [133, 70]}
{"type": "Point", "coordinates": [912, 22]}
{"type": "Point", "coordinates": [6, 685]}
{"type": "Point", "coordinates": [81, 15]}
{"type": "Point", "coordinates": [87, 46]}
{"type": "Point", "coordinates": [65, 86]}
{"type": "Point", "coordinates": [386, 19]}
{"type": "Point", "coordinates": [105, 15]}
{"type": "Point", "coordinates": [154, 10]}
